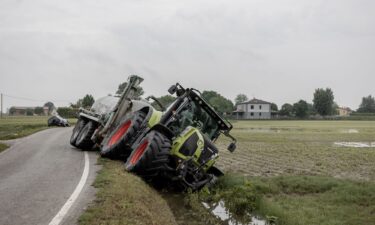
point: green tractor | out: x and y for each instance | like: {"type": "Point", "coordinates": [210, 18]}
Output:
{"type": "Point", "coordinates": [176, 143]}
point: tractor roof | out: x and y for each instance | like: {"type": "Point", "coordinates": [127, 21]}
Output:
{"type": "Point", "coordinates": [224, 124]}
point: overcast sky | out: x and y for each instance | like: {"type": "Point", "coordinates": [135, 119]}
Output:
{"type": "Point", "coordinates": [278, 51]}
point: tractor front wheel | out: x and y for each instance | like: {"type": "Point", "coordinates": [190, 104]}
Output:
{"type": "Point", "coordinates": [151, 157]}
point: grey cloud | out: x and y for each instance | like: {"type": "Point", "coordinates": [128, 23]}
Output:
{"type": "Point", "coordinates": [274, 50]}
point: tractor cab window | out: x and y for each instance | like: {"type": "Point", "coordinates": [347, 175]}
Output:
{"type": "Point", "coordinates": [192, 114]}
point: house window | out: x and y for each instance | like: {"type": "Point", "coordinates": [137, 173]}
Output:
{"type": "Point", "coordinates": [252, 114]}
{"type": "Point", "coordinates": [260, 114]}
{"type": "Point", "coordinates": [260, 106]}
{"type": "Point", "coordinates": [252, 106]}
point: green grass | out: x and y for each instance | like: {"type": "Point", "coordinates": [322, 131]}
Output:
{"type": "Point", "coordinates": [298, 200]}
{"type": "Point", "coordinates": [299, 175]}
{"type": "Point", "coordinates": [17, 127]}
{"type": "Point", "coordinates": [3, 147]}
{"type": "Point", "coordinates": [317, 200]}
{"type": "Point", "coordinates": [123, 198]}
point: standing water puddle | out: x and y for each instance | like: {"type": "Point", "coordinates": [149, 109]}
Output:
{"type": "Point", "coordinates": [221, 212]}
{"type": "Point", "coordinates": [186, 215]}
{"type": "Point", "coordinates": [355, 144]}
{"type": "Point", "coordinates": [269, 129]}
{"type": "Point", "coordinates": [349, 131]}
{"type": "Point", "coordinates": [261, 130]}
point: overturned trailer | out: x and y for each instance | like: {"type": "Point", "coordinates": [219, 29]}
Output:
{"type": "Point", "coordinates": [176, 143]}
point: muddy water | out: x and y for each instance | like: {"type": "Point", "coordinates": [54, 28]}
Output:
{"type": "Point", "coordinates": [186, 216]}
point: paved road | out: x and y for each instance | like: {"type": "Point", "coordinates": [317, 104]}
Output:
{"type": "Point", "coordinates": [38, 174]}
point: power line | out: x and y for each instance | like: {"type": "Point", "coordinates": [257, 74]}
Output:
{"type": "Point", "coordinates": [35, 100]}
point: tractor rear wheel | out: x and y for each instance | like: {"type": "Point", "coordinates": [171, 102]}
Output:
{"type": "Point", "coordinates": [151, 157]}
{"type": "Point", "coordinates": [117, 144]}
{"type": "Point", "coordinates": [77, 129]}
{"type": "Point", "coordinates": [84, 138]}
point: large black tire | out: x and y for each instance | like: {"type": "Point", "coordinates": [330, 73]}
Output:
{"type": "Point", "coordinates": [117, 143]}
{"type": "Point", "coordinates": [84, 138]}
{"type": "Point", "coordinates": [151, 157]}
{"type": "Point", "coordinates": [77, 129]}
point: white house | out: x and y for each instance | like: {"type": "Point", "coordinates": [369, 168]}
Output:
{"type": "Point", "coordinates": [253, 109]}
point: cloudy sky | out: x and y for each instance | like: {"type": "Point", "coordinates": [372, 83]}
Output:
{"type": "Point", "coordinates": [279, 51]}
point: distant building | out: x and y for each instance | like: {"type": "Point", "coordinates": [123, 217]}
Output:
{"type": "Point", "coordinates": [253, 109]}
{"type": "Point", "coordinates": [46, 110]}
{"type": "Point", "coordinates": [20, 110]}
{"type": "Point", "coordinates": [344, 111]}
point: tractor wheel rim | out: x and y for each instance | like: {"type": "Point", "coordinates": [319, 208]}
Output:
{"type": "Point", "coordinates": [119, 133]}
{"type": "Point", "coordinates": [139, 152]}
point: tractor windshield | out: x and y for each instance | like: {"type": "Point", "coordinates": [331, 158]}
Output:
{"type": "Point", "coordinates": [190, 113]}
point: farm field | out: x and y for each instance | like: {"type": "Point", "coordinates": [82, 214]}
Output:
{"type": "Point", "coordinates": [17, 127]}
{"type": "Point", "coordinates": [301, 172]}
{"type": "Point", "coordinates": [272, 148]}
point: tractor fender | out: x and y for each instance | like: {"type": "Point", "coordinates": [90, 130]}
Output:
{"type": "Point", "coordinates": [138, 105]}
{"type": "Point", "coordinates": [152, 116]}
{"type": "Point", "coordinates": [162, 129]}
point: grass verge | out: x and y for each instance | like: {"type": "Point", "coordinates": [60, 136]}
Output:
{"type": "Point", "coordinates": [297, 200]}
{"type": "Point", "coordinates": [123, 198]}
{"type": "Point", "coordinates": [3, 147]}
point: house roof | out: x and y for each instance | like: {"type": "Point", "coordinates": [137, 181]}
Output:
{"type": "Point", "coordinates": [254, 101]}
{"type": "Point", "coordinates": [345, 108]}
{"type": "Point", "coordinates": [22, 107]}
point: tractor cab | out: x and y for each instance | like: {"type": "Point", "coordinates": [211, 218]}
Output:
{"type": "Point", "coordinates": [190, 109]}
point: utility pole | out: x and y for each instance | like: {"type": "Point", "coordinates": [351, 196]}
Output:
{"type": "Point", "coordinates": [1, 116]}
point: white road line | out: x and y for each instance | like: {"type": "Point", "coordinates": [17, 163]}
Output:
{"type": "Point", "coordinates": [64, 210]}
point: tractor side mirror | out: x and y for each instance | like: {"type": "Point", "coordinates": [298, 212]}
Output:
{"type": "Point", "coordinates": [172, 89]}
{"type": "Point", "coordinates": [232, 147]}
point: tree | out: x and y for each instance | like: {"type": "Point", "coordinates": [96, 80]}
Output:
{"type": "Point", "coordinates": [311, 110]}
{"type": "Point", "coordinates": [301, 109]}
{"type": "Point", "coordinates": [220, 103]}
{"type": "Point", "coordinates": [274, 107]}
{"type": "Point", "coordinates": [29, 112]}
{"type": "Point", "coordinates": [87, 101]}
{"type": "Point", "coordinates": [50, 106]}
{"type": "Point", "coordinates": [286, 110]}
{"type": "Point", "coordinates": [12, 111]}
{"type": "Point", "coordinates": [76, 105]}
{"type": "Point", "coordinates": [367, 105]}
{"type": "Point", "coordinates": [335, 109]}
{"type": "Point", "coordinates": [323, 101]}
{"type": "Point", "coordinates": [67, 112]}
{"type": "Point", "coordinates": [38, 110]}
{"type": "Point", "coordinates": [165, 100]}
{"type": "Point", "coordinates": [241, 98]}
{"type": "Point", "coordinates": [122, 86]}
